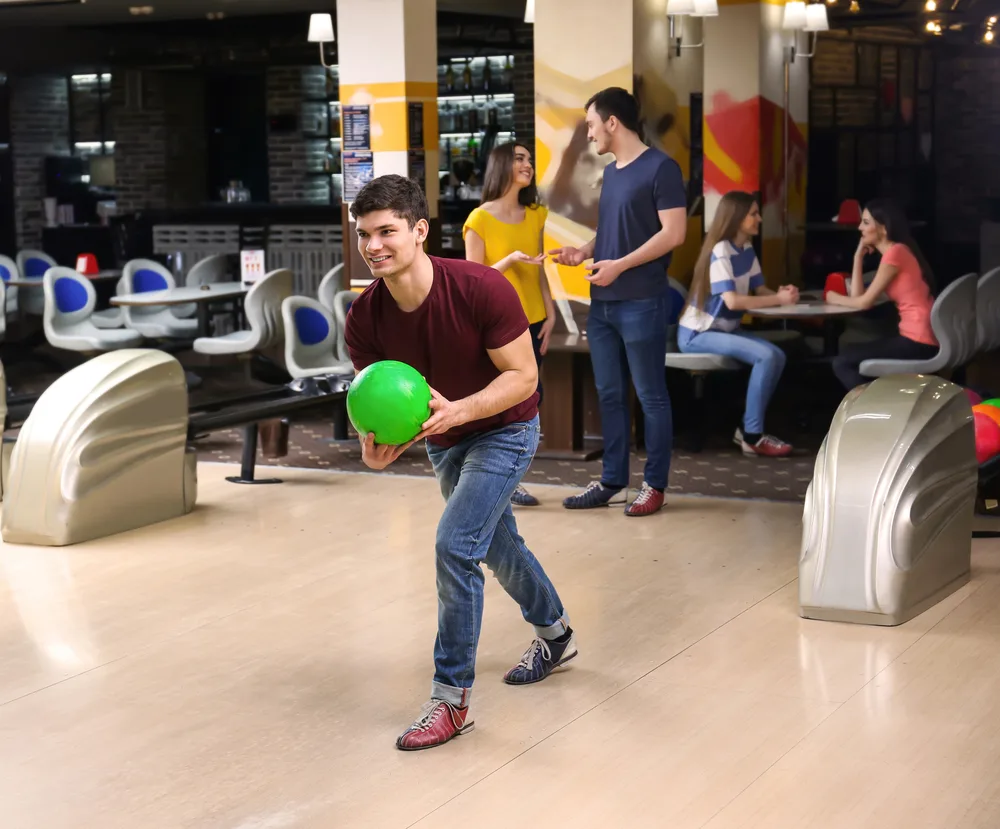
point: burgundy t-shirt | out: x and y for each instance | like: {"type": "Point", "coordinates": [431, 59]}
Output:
{"type": "Point", "coordinates": [469, 309]}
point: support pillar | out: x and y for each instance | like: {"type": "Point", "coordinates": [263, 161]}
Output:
{"type": "Point", "coordinates": [633, 54]}
{"type": "Point", "coordinates": [388, 93]}
{"type": "Point", "coordinates": [756, 112]}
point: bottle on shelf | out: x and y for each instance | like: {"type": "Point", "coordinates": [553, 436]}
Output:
{"type": "Point", "coordinates": [449, 79]}
{"type": "Point", "coordinates": [467, 76]}
{"type": "Point", "coordinates": [508, 74]}
{"type": "Point", "coordinates": [487, 77]}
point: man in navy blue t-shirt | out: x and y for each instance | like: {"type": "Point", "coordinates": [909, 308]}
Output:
{"type": "Point", "coordinates": [641, 219]}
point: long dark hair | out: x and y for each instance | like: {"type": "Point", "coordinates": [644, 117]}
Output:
{"type": "Point", "coordinates": [500, 174]}
{"type": "Point", "coordinates": [888, 214]}
{"type": "Point", "coordinates": [729, 215]}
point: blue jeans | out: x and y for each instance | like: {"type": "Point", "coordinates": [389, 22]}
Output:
{"type": "Point", "coordinates": [767, 360]}
{"type": "Point", "coordinates": [477, 477]}
{"type": "Point", "coordinates": [630, 337]}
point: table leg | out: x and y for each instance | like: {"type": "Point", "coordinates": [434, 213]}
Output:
{"type": "Point", "coordinates": [563, 409]}
{"type": "Point", "coordinates": [203, 320]}
{"type": "Point", "coordinates": [249, 460]}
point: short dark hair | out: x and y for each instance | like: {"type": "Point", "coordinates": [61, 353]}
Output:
{"type": "Point", "coordinates": [620, 103]}
{"type": "Point", "coordinates": [402, 196]}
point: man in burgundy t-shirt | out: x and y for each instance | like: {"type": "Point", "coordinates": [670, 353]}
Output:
{"type": "Point", "coordinates": [462, 327]}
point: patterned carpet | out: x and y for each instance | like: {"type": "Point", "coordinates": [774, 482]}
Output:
{"type": "Point", "coordinates": [719, 470]}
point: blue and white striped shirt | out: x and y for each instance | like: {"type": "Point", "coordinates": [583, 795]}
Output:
{"type": "Point", "coordinates": [731, 269]}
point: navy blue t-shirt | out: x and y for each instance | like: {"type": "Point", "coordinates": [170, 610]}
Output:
{"type": "Point", "coordinates": [627, 219]}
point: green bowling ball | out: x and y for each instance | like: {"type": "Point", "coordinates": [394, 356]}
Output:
{"type": "Point", "coordinates": [995, 402]}
{"type": "Point", "coordinates": [390, 400]}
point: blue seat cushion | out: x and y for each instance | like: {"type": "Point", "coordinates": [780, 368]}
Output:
{"type": "Point", "coordinates": [35, 268]}
{"type": "Point", "coordinates": [4, 273]}
{"type": "Point", "coordinates": [311, 326]}
{"type": "Point", "coordinates": [147, 280]}
{"type": "Point", "coordinates": [70, 295]}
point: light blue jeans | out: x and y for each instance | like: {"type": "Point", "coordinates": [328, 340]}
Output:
{"type": "Point", "coordinates": [766, 359]}
{"type": "Point", "coordinates": [477, 477]}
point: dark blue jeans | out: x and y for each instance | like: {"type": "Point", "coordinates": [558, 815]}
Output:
{"type": "Point", "coordinates": [477, 477]}
{"type": "Point", "coordinates": [630, 337]}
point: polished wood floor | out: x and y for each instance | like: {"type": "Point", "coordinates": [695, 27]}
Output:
{"type": "Point", "coordinates": [249, 667]}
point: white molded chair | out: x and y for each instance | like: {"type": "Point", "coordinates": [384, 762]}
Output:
{"type": "Point", "coordinates": [699, 366]}
{"type": "Point", "coordinates": [207, 271]}
{"type": "Point", "coordinates": [694, 363]}
{"type": "Point", "coordinates": [331, 285]}
{"type": "Point", "coordinates": [8, 271]}
{"type": "Point", "coordinates": [263, 312]}
{"type": "Point", "coordinates": [113, 317]}
{"type": "Point", "coordinates": [156, 321]}
{"type": "Point", "coordinates": [341, 305]}
{"type": "Point", "coordinates": [32, 264]}
{"type": "Point", "coordinates": [988, 311]}
{"type": "Point", "coordinates": [311, 339]}
{"type": "Point", "coordinates": [953, 320]}
{"type": "Point", "coordinates": [69, 303]}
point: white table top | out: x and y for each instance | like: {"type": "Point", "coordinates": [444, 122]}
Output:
{"type": "Point", "coordinates": [803, 309]}
{"type": "Point", "coordinates": [182, 296]}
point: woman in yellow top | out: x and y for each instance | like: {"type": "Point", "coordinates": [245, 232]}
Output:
{"type": "Point", "coordinates": [505, 232]}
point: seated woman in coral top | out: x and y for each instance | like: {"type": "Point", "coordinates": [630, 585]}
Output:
{"type": "Point", "coordinates": [905, 277]}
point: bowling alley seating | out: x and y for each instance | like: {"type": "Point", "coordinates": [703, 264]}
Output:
{"type": "Point", "coordinates": [68, 311]}
{"type": "Point", "coordinates": [9, 271]}
{"type": "Point", "coordinates": [32, 264]}
{"type": "Point", "coordinates": [155, 321]}
{"type": "Point", "coordinates": [113, 317]}
{"type": "Point", "coordinates": [953, 319]}
{"type": "Point", "coordinates": [887, 522]}
{"type": "Point", "coordinates": [263, 313]}
{"type": "Point", "coordinates": [988, 311]}
{"type": "Point", "coordinates": [341, 305]}
{"type": "Point", "coordinates": [331, 285]}
{"type": "Point", "coordinates": [208, 271]}
{"type": "Point", "coordinates": [103, 451]}
{"type": "Point", "coordinates": [699, 366]}
{"type": "Point", "coordinates": [311, 339]}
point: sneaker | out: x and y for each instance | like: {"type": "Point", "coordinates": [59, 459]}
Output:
{"type": "Point", "coordinates": [767, 447]}
{"type": "Point", "coordinates": [647, 502]}
{"type": "Point", "coordinates": [595, 495]}
{"type": "Point", "coordinates": [523, 498]}
{"type": "Point", "coordinates": [541, 658]}
{"type": "Point", "coordinates": [438, 723]}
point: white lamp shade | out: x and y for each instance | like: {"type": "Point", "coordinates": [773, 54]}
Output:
{"type": "Point", "coordinates": [816, 19]}
{"type": "Point", "coordinates": [795, 15]}
{"type": "Point", "coordinates": [680, 7]}
{"type": "Point", "coordinates": [705, 8]}
{"type": "Point", "coordinates": [321, 28]}
{"type": "Point", "coordinates": [529, 11]}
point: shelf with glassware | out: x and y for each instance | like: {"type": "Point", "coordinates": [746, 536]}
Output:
{"type": "Point", "coordinates": [475, 112]}
{"type": "Point", "coordinates": [321, 128]}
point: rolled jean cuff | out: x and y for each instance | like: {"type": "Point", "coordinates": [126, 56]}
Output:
{"type": "Point", "coordinates": [553, 631]}
{"type": "Point", "coordinates": [449, 693]}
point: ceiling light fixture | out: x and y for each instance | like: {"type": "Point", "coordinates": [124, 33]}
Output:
{"type": "Point", "coordinates": [529, 11]}
{"type": "Point", "coordinates": [139, 11]}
